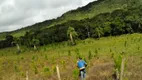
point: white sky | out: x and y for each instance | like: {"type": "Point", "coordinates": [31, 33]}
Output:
{"type": "Point", "coordinates": [15, 14]}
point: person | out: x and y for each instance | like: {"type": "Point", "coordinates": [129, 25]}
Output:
{"type": "Point", "coordinates": [82, 65]}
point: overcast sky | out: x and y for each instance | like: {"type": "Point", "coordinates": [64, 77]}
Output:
{"type": "Point", "coordinates": [15, 14]}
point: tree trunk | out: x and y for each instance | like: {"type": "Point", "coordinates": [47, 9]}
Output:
{"type": "Point", "coordinates": [88, 34]}
{"type": "Point", "coordinates": [71, 39]}
{"type": "Point", "coordinates": [35, 48]}
{"type": "Point", "coordinates": [18, 47]}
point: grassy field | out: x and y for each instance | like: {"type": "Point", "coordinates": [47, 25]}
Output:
{"type": "Point", "coordinates": [41, 64]}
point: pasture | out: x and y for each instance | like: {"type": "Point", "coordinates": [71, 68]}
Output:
{"type": "Point", "coordinates": [41, 64]}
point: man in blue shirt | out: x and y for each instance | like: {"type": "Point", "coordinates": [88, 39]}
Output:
{"type": "Point", "coordinates": [81, 65]}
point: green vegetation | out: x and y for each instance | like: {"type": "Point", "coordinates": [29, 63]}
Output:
{"type": "Point", "coordinates": [120, 21]}
{"type": "Point", "coordinates": [72, 34]}
{"type": "Point", "coordinates": [87, 12]}
{"type": "Point", "coordinates": [97, 30]}
{"type": "Point", "coordinates": [41, 64]}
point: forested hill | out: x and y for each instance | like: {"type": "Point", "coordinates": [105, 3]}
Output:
{"type": "Point", "coordinates": [97, 19]}
{"type": "Point", "coordinates": [88, 11]}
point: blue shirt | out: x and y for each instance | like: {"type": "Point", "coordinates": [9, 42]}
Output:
{"type": "Point", "coordinates": [81, 64]}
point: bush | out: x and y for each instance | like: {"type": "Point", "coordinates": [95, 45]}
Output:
{"type": "Point", "coordinates": [46, 69]}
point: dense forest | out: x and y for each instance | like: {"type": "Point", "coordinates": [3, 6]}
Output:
{"type": "Point", "coordinates": [120, 21]}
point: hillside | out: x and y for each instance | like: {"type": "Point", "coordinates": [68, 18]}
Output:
{"type": "Point", "coordinates": [41, 64]}
{"type": "Point", "coordinates": [103, 33]}
{"type": "Point", "coordinates": [120, 21]}
{"type": "Point", "coordinates": [88, 11]}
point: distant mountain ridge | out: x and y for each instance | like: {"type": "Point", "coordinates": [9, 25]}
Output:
{"type": "Point", "coordinates": [88, 11]}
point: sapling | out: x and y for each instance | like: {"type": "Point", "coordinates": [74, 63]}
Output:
{"type": "Point", "coordinates": [54, 69]}
{"type": "Point", "coordinates": [16, 68]}
{"type": "Point", "coordinates": [119, 61]}
{"type": "Point", "coordinates": [45, 56]}
{"type": "Point", "coordinates": [75, 74]}
{"type": "Point", "coordinates": [110, 50]}
{"type": "Point", "coordinates": [96, 53]}
{"type": "Point", "coordinates": [69, 53]}
{"type": "Point", "coordinates": [77, 53]}
{"type": "Point", "coordinates": [63, 63]}
{"type": "Point", "coordinates": [33, 58]}
{"type": "Point", "coordinates": [22, 58]}
{"type": "Point", "coordinates": [35, 70]}
{"type": "Point", "coordinates": [138, 47]}
{"type": "Point", "coordinates": [125, 44]}
{"type": "Point", "coordinates": [89, 55]}
{"type": "Point", "coordinates": [46, 69]}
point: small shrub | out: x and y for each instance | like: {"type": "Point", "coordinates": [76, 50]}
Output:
{"type": "Point", "coordinates": [110, 50]}
{"type": "Point", "coordinates": [63, 63]}
{"type": "Point", "coordinates": [45, 56]}
{"type": "Point", "coordinates": [69, 53]}
{"type": "Point", "coordinates": [96, 51]}
{"type": "Point", "coordinates": [89, 55]}
{"type": "Point", "coordinates": [22, 58]}
{"type": "Point", "coordinates": [125, 44]}
{"type": "Point", "coordinates": [22, 74]}
{"type": "Point", "coordinates": [35, 70]}
{"type": "Point", "coordinates": [117, 62]}
{"type": "Point", "coordinates": [35, 57]}
{"type": "Point", "coordinates": [77, 53]}
{"type": "Point", "coordinates": [112, 55]}
{"type": "Point", "coordinates": [138, 47]}
{"type": "Point", "coordinates": [16, 68]}
{"type": "Point", "coordinates": [75, 74]}
{"type": "Point", "coordinates": [54, 69]}
{"type": "Point", "coordinates": [46, 69]}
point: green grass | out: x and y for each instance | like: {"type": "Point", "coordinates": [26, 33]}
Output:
{"type": "Point", "coordinates": [19, 33]}
{"type": "Point", "coordinates": [41, 64]}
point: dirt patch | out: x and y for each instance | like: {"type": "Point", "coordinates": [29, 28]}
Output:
{"type": "Point", "coordinates": [101, 71]}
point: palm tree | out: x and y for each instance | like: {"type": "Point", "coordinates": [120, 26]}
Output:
{"type": "Point", "coordinates": [72, 33]}
{"type": "Point", "coordinates": [35, 42]}
{"type": "Point", "coordinates": [17, 42]}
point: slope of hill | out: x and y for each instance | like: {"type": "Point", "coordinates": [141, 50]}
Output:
{"type": "Point", "coordinates": [88, 11]}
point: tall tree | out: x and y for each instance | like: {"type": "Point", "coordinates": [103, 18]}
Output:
{"type": "Point", "coordinates": [73, 34]}
{"type": "Point", "coordinates": [98, 32]}
{"type": "Point", "coordinates": [17, 42]}
{"type": "Point", "coordinates": [35, 42]}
